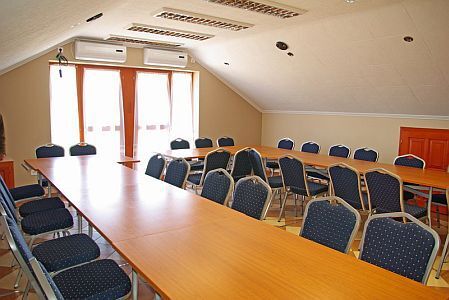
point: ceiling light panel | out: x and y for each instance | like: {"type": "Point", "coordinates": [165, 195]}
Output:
{"type": "Point", "coordinates": [194, 18]}
{"type": "Point", "coordinates": [133, 40]}
{"type": "Point", "coordinates": [264, 7]}
{"type": "Point", "coordinates": [169, 32]}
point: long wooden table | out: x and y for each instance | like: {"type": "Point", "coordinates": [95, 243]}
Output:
{"type": "Point", "coordinates": [429, 178]}
{"type": "Point", "coordinates": [188, 247]}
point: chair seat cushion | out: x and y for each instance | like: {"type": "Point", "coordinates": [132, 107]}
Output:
{"type": "Point", "coordinates": [416, 211]}
{"type": "Point", "coordinates": [439, 198]}
{"type": "Point", "coordinates": [46, 221]}
{"type": "Point", "coordinates": [272, 164]}
{"type": "Point", "coordinates": [316, 188]}
{"type": "Point", "coordinates": [196, 165]}
{"type": "Point", "coordinates": [195, 178]}
{"type": "Point", "coordinates": [27, 191]}
{"type": "Point", "coordinates": [65, 252]}
{"type": "Point", "coordinates": [101, 279]}
{"type": "Point", "coordinates": [275, 182]}
{"type": "Point", "coordinates": [40, 205]}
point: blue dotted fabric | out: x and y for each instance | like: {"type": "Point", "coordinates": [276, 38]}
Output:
{"type": "Point", "coordinates": [241, 165]}
{"type": "Point", "coordinates": [225, 141]}
{"type": "Point", "coordinates": [78, 150]}
{"type": "Point", "coordinates": [384, 191]}
{"type": "Point", "coordinates": [257, 165]}
{"type": "Point", "coordinates": [176, 173]}
{"type": "Point", "coordinates": [346, 185]}
{"type": "Point", "coordinates": [53, 151]}
{"type": "Point", "coordinates": [339, 151]}
{"type": "Point", "coordinates": [155, 166]}
{"type": "Point", "coordinates": [286, 144]}
{"type": "Point", "coordinates": [203, 143]}
{"type": "Point", "coordinates": [310, 148]}
{"type": "Point", "coordinates": [216, 187]}
{"type": "Point", "coordinates": [27, 191]}
{"type": "Point", "coordinates": [179, 144]}
{"type": "Point", "coordinates": [329, 225]}
{"type": "Point", "coordinates": [409, 161]}
{"type": "Point", "coordinates": [250, 198]}
{"type": "Point", "coordinates": [45, 204]}
{"type": "Point", "coordinates": [365, 154]}
{"type": "Point", "coordinates": [401, 248]}
{"type": "Point", "coordinates": [47, 221]}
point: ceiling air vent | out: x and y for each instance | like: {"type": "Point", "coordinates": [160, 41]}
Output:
{"type": "Point", "coordinates": [194, 18]}
{"type": "Point", "coordinates": [144, 42]}
{"type": "Point", "coordinates": [170, 32]}
{"type": "Point", "coordinates": [264, 7]}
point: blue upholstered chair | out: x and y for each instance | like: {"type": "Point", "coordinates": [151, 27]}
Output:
{"type": "Point", "coordinates": [241, 166]}
{"type": "Point", "coordinates": [179, 144]}
{"type": "Point", "coordinates": [82, 149]}
{"type": "Point", "coordinates": [218, 186]}
{"type": "Point", "coordinates": [439, 199]}
{"type": "Point", "coordinates": [225, 141]}
{"type": "Point", "coordinates": [217, 159]}
{"type": "Point", "coordinates": [285, 143]}
{"type": "Point", "coordinates": [413, 161]}
{"type": "Point", "coordinates": [385, 194]}
{"type": "Point", "coordinates": [251, 197]}
{"type": "Point", "coordinates": [445, 252]}
{"type": "Point", "coordinates": [408, 249]}
{"type": "Point", "coordinates": [295, 181]}
{"type": "Point", "coordinates": [47, 151]}
{"type": "Point", "coordinates": [366, 154]}
{"type": "Point", "coordinates": [346, 184]}
{"type": "Point", "coordinates": [30, 207]}
{"type": "Point", "coordinates": [310, 147]}
{"type": "Point", "coordinates": [331, 222]}
{"type": "Point", "coordinates": [177, 171]}
{"type": "Point", "coordinates": [339, 151]}
{"type": "Point", "coordinates": [156, 166]}
{"type": "Point", "coordinates": [203, 142]}
{"type": "Point", "coordinates": [100, 279]}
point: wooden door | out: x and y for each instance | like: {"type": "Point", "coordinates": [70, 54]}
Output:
{"type": "Point", "coordinates": [430, 144]}
{"type": "Point", "coordinates": [7, 172]}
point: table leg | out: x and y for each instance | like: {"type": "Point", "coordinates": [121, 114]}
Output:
{"type": "Point", "coordinates": [80, 223]}
{"type": "Point", "coordinates": [429, 207]}
{"type": "Point", "coordinates": [135, 285]}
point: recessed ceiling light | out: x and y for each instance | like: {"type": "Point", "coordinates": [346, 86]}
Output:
{"type": "Point", "coordinates": [408, 39]}
{"type": "Point", "coordinates": [350, 1]}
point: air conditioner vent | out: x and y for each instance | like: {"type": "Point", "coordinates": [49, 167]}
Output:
{"type": "Point", "coordinates": [133, 40]}
{"type": "Point", "coordinates": [170, 32]}
{"type": "Point", "coordinates": [264, 7]}
{"type": "Point", "coordinates": [194, 18]}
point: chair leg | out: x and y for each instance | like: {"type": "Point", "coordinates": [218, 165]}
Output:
{"type": "Point", "coordinates": [268, 206]}
{"type": "Point", "coordinates": [19, 276]}
{"type": "Point", "coordinates": [296, 205]}
{"type": "Point", "coordinates": [135, 285]}
{"type": "Point", "coordinates": [27, 290]}
{"type": "Point", "coordinates": [283, 206]}
{"type": "Point", "coordinates": [444, 255]}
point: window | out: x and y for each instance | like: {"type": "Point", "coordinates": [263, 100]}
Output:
{"type": "Point", "coordinates": [103, 117]}
{"type": "Point", "coordinates": [182, 107]}
{"type": "Point", "coordinates": [64, 106]}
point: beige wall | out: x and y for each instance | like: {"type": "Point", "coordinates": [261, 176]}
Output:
{"type": "Point", "coordinates": [379, 133]}
{"type": "Point", "coordinates": [25, 106]}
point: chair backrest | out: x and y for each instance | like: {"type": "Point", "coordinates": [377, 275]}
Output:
{"type": "Point", "coordinates": [408, 249]}
{"type": "Point", "coordinates": [366, 154]}
{"type": "Point", "coordinates": [331, 222]}
{"type": "Point", "coordinates": [156, 166]}
{"type": "Point", "coordinates": [339, 151]}
{"type": "Point", "coordinates": [8, 205]}
{"type": "Point", "coordinates": [286, 143]}
{"type": "Point", "coordinates": [410, 160]}
{"type": "Point", "coordinates": [310, 147]}
{"type": "Point", "coordinates": [177, 171]}
{"type": "Point", "coordinates": [293, 175]}
{"type": "Point", "coordinates": [217, 159]}
{"type": "Point", "coordinates": [179, 144]}
{"type": "Point", "coordinates": [225, 141]}
{"type": "Point", "coordinates": [49, 150]}
{"type": "Point", "coordinates": [257, 164]}
{"type": "Point", "coordinates": [251, 197]}
{"type": "Point", "coordinates": [346, 184]}
{"type": "Point", "coordinates": [218, 186]}
{"type": "Point", "coordinates": [20, 250]}
{"type": "Point", "coordinates": [385, 191]}
{"type": "Point", "coordinates": [82, 149]}
{"type": "Point", "coordinates": [46, 282]}
{"type": "Point", "coordinates": [241, 165]}
{"type": "Point", "coordinates": [203, 142]}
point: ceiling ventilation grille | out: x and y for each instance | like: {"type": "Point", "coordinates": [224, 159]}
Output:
{"type": "Point", "coordinates": [170, 32]}
{"type": "Point", "coordinates": [132, 40]}
{"type": "Point", "coordinates": [263, 7]}
{"type": "Point", "coordinates": [194, 18]}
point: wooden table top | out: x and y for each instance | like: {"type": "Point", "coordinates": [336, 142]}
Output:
{"type": "Point", "coordinates": [186, 246]}
{"type": "Point", "coordinates": [430, 178]}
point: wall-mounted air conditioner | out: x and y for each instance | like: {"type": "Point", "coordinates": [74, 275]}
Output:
{"type": "Point", "coordinates": [99, 51]}
{"type": "Point", "coordinates": [164, 58]}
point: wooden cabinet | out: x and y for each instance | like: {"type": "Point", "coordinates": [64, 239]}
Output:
{"type": "Point", "coordinates": [7, 171]}
{"type": "Point", "coordinates": [430, 144]}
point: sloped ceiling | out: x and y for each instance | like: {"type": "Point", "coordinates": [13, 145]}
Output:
{"type": "Point", "coordinates": [347, 57]}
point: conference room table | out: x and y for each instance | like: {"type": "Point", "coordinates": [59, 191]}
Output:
{"type": "Point", "coordinates": [187, 247]}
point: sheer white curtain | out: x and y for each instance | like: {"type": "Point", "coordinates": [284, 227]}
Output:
{"type": "Point", "coordinates": [64, 106]}
{"type": "Point", "coordinates": [103, 111]}
{"type": "Point", "coordinates": [182, 107]}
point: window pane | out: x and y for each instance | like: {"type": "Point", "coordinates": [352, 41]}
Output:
{"type": "Point", "coordinates": [152, 113]}
{"type": "Point", "coordinates": [103, 117]}
{"type": "Point", "coordinates": [182, 107]}
{"type": "Point", "coordinates": [64, 106]}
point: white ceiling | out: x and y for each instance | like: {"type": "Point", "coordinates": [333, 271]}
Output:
{"type": "Point", "coordinates": [347, 57]}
